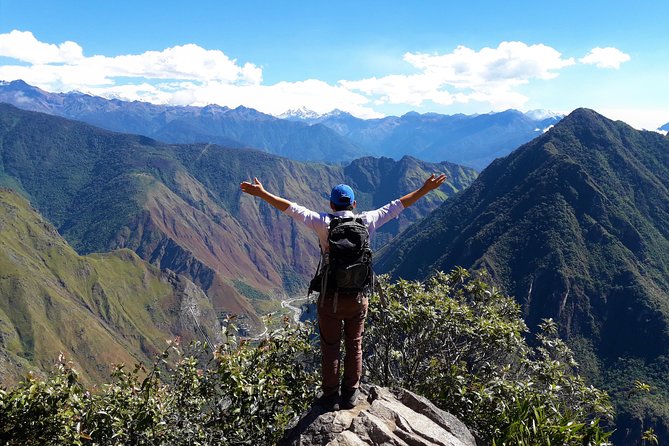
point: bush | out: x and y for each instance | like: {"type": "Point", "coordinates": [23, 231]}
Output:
{"type": "Point", "coordinates": [460, 342]}
{"type": "Point", "coordinates": [243, 393]}
{"type": "Point", "coordinates": [454, 339]}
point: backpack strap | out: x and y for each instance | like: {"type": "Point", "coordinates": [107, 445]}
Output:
{"type": "Point", "coordinates": [318, 268]}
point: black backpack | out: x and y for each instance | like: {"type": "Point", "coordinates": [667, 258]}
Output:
{"type": "Point", "coordinates": [349, 264]}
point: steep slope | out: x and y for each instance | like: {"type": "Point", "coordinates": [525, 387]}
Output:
{"type": "Point", "coordinates": [375, 180]}
{"type": "Point", "coordinates": [94, 186]}
{"type": "Point", "coordinates": [239, 127]}
{"type": "Point", "coordinates": [98, 309]}
{"type": "Point", "coordinates": [575, 224]}
{"type": "Point", "coordinates": [180, 206]}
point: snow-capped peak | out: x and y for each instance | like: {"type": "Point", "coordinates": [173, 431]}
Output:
{"type": "Point", "coordinates": [539, 115]}
{"type": "Point", "coordinates": [301, 113]}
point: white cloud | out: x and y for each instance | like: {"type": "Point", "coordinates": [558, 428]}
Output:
{"type": "Point", "coordinates": [313, 94]}
{"type": "Point", "coordinates": [608, 57]}
{"type": "Point", "coordinates": [465, 75]}
{"type": "Point", "coordinates": [489, 78]}
{"type": "Point", "coordinates": [57, 66]}
{"type": "Point", "coordinates": [23, 46]}
{"type": "Point", "coordinates": [180, 62]}
{"type": "Point", "coordinates": [273, 99]}
{"type": "Point", "coordinates": [181, 75]}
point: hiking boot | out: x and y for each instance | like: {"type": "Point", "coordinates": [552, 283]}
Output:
{"type": "Point", "coordinates": [348, 398]}
{"type": "Point", "coordinates": [330, 402]}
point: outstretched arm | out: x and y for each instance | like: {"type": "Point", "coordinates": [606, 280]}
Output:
{"type": "Point", "coordinates": [430, 184]}
{"type": "Point", "coordinates": [257, 190]}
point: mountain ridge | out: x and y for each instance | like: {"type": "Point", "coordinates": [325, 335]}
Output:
{"type": "Point", "coordinates": [472, 140]}
{"type": "Point", "coordinates": [180, 206]}
{"type": "Point", "coordinates": [53, 300]}
{"type": "Point", "coordinates": [240, 127]}
{"type": "Point", "coordinates": [575, 225]}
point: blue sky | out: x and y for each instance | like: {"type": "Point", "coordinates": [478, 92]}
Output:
{"type": "Point", "coordinates": [369, 58]}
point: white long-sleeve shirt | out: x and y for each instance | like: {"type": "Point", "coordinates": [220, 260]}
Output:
{"type": "Point", "coordinates": [319, 221]}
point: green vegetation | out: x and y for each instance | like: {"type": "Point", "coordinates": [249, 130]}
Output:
{"type": "Point", "coordinates": [250, 292]}
{"type": "Point", "coordinates": [575, 226]}
{"type": "Point", "coordinates": [97, 309]}
{"type": "Point", "coordinates": [179, 206]}
{"type": "Point", "coordinates": [460, 342]}
{"type": "Point", "coordinates": [262, 303]}
{"type": "Point", "coordinates": [456, 340]}
{"type": "Point", "coordinates": [242, 394]}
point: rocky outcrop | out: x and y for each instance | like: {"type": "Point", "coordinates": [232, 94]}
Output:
{"type": "Point", "coordinates": [381, 417]}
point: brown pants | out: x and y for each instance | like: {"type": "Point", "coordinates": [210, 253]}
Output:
{"type": "Point", "coordinates": [350, 312]}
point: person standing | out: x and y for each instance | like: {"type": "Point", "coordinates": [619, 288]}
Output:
{"type": "Point", "coordinates": [337, 310]}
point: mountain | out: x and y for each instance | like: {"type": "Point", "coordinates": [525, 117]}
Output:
{"type": "Point", "coordinates": [575, 225]}
{"type": "Point", "coordinates": [473, 140]}
{"type": "Point", "coordinates": [299, 114]}
{"type": "Point", "coordinates": [97, 309]}
{"type": "Point", "coordinates": [180, 206]}
{"type": "Point", "coordinates": [470, 140]}
{"type": "Point", "coordinates": [240, 127]}
{"type": "Point", "coordinates": [540, 114]}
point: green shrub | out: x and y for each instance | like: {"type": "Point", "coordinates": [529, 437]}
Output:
{"type": "Point", "coordinates": [243, 393]}
{"type": "Point", "coordinates": [460, 343]}
{"type": "Point", "coordinates": [454, 339]}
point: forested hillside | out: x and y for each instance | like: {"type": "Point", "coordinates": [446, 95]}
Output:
{"type": "Point", "coordinates": [575, 225]}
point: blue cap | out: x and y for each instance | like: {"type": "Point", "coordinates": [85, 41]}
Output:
{"type": "Point", "coordinates": [342, 195]}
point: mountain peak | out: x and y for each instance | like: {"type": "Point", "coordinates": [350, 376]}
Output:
{"type": "Point", "coordinates": [299, 114]}
{"type": "Point", "coordinates": [17, 83]}
{"type": "Point", "coordinates": [585, 119]}
{"type": "Point", "coordinates": [336, 113]}
{"type": "Point", "coordinates": [541, 114]}
{"type": "Point", "coordinates": [509, 111]}
{"type": "Point", "coordinates": [582, 112]}
{"type": "Point", "coordinates": [411, 114]}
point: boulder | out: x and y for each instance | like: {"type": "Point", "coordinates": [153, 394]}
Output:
{"type": "Point", "coordinates": [380, 417]}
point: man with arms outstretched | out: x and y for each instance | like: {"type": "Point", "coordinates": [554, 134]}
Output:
{"type": "Point", "coordinates": [341, 309]}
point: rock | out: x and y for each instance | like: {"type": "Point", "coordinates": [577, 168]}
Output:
{"type": "Point", "coordinates": [384, 417]}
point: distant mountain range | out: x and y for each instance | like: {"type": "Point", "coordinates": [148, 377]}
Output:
{"type": "Point", "coordinates": [240, 127]}
{"type": "Point", "coordinates": [473, 140]}
{"type": "Point", "coordinates": [470, 140]}
{"type": "Point", "coordinates": [97, 309]}
{"type": "Point", "coordinates": [180, 207]}
{"type": "Point", "coordinates": [575, 225]}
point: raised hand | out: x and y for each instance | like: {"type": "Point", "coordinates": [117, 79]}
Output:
{"type": "Point", "coordinates": [256, 189]}
{"type": "Point", "coordinates": [434, 181]}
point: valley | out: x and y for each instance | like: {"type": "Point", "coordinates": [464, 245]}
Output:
{"type": "Point", "coordinates": [572, 223]}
